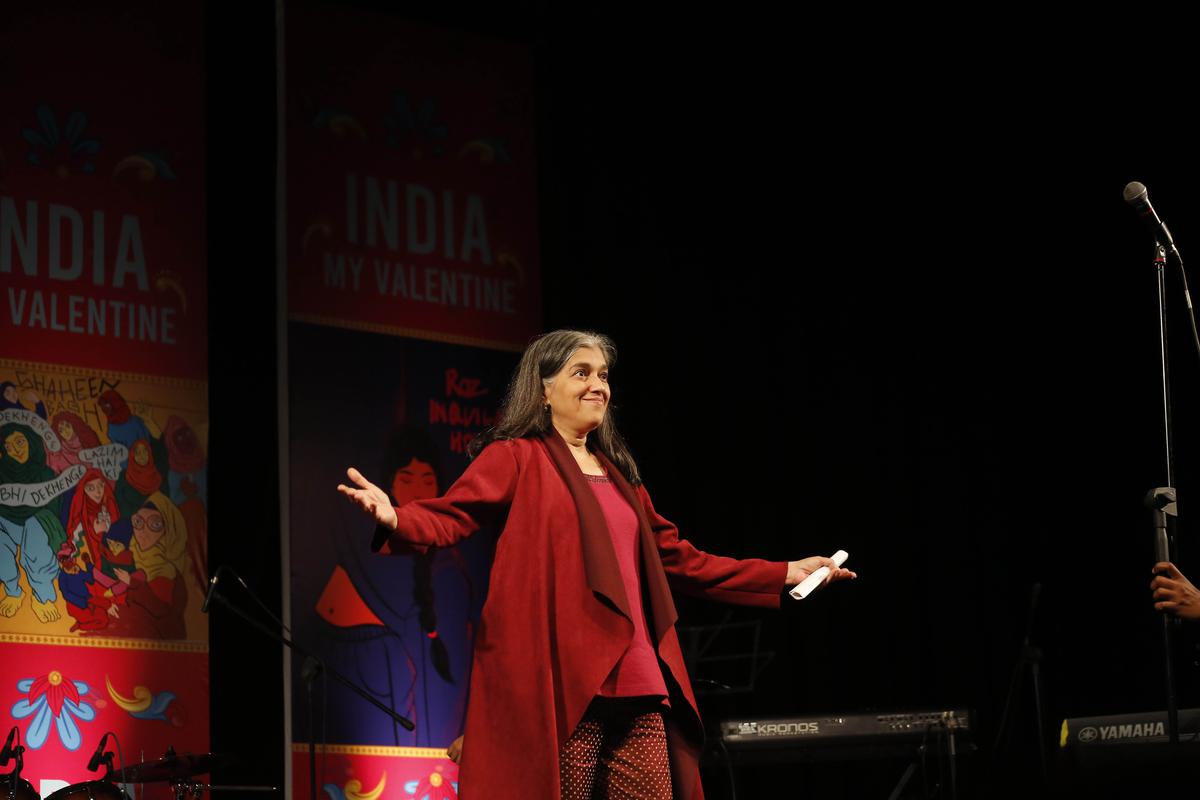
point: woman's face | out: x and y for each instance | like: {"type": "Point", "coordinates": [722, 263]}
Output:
{"type": "Point", "coordinates": [579, 395]}
{"type": "Point", "coordinates": [17, 447]}
{"type": "Point", "coordinates": [141, 454]}
{"type": "Point", "coordinates": [10, 394]}
{"type": "Point", "coordinates": [95, 489]}
{"type": "Point", "coordinates": [147, 527]}
{"type": "Point", "coordinates": [416, 481]}
{"type": "Point", "coordinates": [66, 430]}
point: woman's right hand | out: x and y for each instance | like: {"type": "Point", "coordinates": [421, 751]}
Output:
{"type": "Point", "coordinates": [369, 498]}
{"type": "Point", "coordinates": [454, 751]}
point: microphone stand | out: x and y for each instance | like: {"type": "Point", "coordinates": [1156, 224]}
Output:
{"type": "Point", "coordinates": [1162, 500]}
{"type": "Point", "coordinates": [13, 779]}
{"type": "Point", "coordinates": [1030, 658]}
{"type": "Point", "coordinates": [950, 721]}
{"type": "Point", "coordinates": [311, 669]}
{"type": "Point", "coordinates": [106, 761]}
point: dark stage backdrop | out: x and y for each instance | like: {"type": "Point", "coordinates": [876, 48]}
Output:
{"type": "Point", "coordinates": [103, 364]}
{"type": "Point", "coordinates": [892, 303]}
{"type": "Point", "coordinates": [874, 291]}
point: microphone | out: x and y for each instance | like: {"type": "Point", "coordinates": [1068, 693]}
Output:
{"type": "Point", "coordinates": [7, 753]}
{"type": "Point", "coordinates": [212, 589]}
{"type": "Point", "coordinates": [98, 756]}
{"type": "Point", "coordinates": [1138, 196]}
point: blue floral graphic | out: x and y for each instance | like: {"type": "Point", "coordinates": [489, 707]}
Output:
{"type": "Point", "coordinates": [53, 698]}
{"type": "Point", "coordinates": [57, 150]}
{"type": "Point", "coordinates": [404, 122]}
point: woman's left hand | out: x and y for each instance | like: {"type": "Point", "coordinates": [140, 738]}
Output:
{"type": "Point", "coordinates": [799, 570]}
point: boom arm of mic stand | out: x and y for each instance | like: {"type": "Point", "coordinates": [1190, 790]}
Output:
{"type": "Point", "coordinates": [293, 646]}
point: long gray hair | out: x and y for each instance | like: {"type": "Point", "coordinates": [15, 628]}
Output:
{"type": "Point", "coordinates": [524, 411]}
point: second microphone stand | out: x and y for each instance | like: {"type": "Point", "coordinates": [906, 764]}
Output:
{"type": "Point", "coordinates": [311, 669]}
{"type": "Point", "coordinates": [1162, 500]}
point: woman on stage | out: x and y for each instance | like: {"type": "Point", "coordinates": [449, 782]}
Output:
{"type": "Point", "coordinates": [578, 687]}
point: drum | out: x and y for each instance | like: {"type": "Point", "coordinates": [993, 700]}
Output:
{"type": "Point", "coordinates": [22, 791]}
{"type": "Point", "coordinates": [89, 790]}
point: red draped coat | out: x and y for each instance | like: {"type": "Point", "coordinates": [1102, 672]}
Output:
{"type": "Point", "coordinates": [556, 619]}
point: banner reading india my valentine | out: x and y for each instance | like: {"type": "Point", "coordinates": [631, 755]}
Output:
{"type": "Point", "coordinates": [411, 182]}
{"type": "Point", "coordinates": [103, 393]}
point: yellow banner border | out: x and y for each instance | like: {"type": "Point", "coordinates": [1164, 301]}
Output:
{"type": "Point", "coordinates": [372, 750]}
{"type": "Point", "coordinates": [88, 372]}
{"type": "Point", "coordinates": [105, 643]}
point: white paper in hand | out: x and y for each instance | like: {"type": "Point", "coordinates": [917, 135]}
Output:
{"type": "Point", "coordinates": [806, 587]}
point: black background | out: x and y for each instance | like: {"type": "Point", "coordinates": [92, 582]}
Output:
{"type": "Point", "coordinates": [872, 289]}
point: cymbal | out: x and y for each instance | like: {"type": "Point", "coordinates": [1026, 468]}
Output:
{"type": "Point", "coordinates": [172, 767]}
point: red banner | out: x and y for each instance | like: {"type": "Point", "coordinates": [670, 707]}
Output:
{"type": "Point", "coordinates": [411, 182]}
{"type": "Point", "coordinates": [411, 212]}
{"type": "Point", "coordinates": [103, 394]}
{"type": "Point", "coordinates": [102, 191]}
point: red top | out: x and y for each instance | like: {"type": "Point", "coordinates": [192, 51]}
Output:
{"type": "Point", "coordinates": [637, 673]}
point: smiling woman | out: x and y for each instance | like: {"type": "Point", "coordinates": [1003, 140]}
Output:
{"type": "Point", "coordinates": [561, 385]}
{"type": "Point", "coordinates": [577, 669]}
{"type": "Point", "coordinates": [577, 399]}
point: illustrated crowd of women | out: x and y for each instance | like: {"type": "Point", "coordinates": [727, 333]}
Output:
{"type": "Point", "coordinates": [114, 555]}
